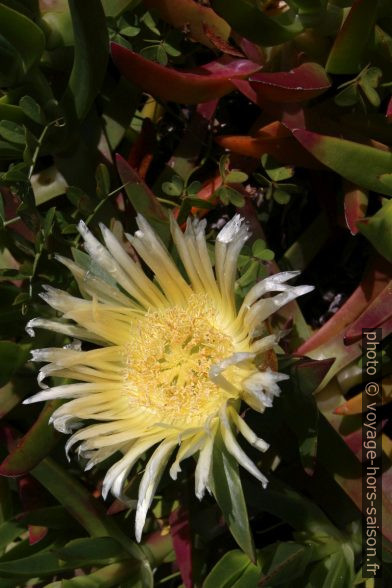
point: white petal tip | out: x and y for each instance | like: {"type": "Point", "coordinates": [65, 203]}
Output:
{"type": "Point", "coordinates": [29, 328]}
{"type": "Point", "coordinates": [82, 228]}
{"type": "Point", "coordinates": [301, 290]}
{"type": "Point", "coordinates": [231, 229]}
{"type": "Point", "coordinates": [200, 494]}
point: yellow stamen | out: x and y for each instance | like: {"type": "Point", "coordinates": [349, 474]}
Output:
{"type": "Point", "coordinates": [169, 359]}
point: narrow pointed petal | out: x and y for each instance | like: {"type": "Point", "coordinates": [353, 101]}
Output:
{"type": "Point", "coordinates": [150, 481]}
{"type": "Point", "coordinates": [236, 451]}
{"type": "Point", "coordinates": [203, 468]}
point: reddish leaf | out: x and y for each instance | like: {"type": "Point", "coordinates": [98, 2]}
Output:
{"type": "Point", "coordinates": [246, 89]}
{"type": "Point", "coordinates": [182, 542]}
{"type": "Point", "coordinates": [253, 52]}
{"type": "Point", "coordinates": [389, 109]}
{"type": "Point", "coordinates": [378, 311]}
{"type": "Point", "coordinates": [207, 110]}
{"type": "Point", "coordinates": [9, 436]}
{"type": "Point", "coordinates": [141, 154]}
{"type": "Point", "coordinates": [220, 43]}
{"type": "Point", "coordinates": [355, 206]}
{"type": "Point", "coordinates": [297, 85]}
{"type": "Point", "coordinates": [375, 279]}
{"type": "Point", "coordinates": [192, 16]}
{"type": "Point", "coordinates": [345, 354]}
{"type": "Point", "coordinates": [11, 205]}
{"type": "Point", "coordinates": [284, 149]}
{"type": "Point", "coordinates": [210, 81]}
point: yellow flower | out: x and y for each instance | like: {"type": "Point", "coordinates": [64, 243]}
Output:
{"type": "Point", "coordinates": [172, 358]}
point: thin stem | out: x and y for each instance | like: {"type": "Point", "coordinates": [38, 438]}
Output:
{"type": "Point", "coordinates": [99, 206]}
{"type": "Point", "coordinates": [39, 144]}
{"type": "Point", "coordinates": [12, 220]}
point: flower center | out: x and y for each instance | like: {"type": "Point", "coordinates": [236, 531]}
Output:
{"type": "Point", "coordinates": [168, 362]}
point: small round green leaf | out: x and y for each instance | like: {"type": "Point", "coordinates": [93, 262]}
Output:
{"type": "Point", "coordinates": [12, 131]}
{"type": "Point", "coordinates": [32, 109]}
{"type": "Point", "coordinates": [281, 197]}
{"type": "Point", "coordinates": [236, 177]}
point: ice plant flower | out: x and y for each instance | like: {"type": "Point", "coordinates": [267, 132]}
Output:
{"type": "Point", "coordinates": [171, 360]}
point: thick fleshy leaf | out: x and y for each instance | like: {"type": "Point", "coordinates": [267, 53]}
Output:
{"type": "Point", "coordinates": [297, 85]}
{"type": "Point", "coordinates": [228, 571]}
{"type": "Point", "coordinates": [115, 574]}
{"type": "Point", "coordinates": [13, 113]}
{"type": "Point", "coordinates": [188, 13]}
{"type": "Point", "coordinates": [283, 148]}
{"type": "Point", "coordinates": [289, 559]}
{"type": "Point", "coordinates": [365, 166]}
{"type": "Point", "coordinates": [283, 502]}
{"type": "Point", "coordinates": [114, 8]}
{"type": "Point", "coordinates": [355, 206]}
{"type": "Point", "coordinates": [227, 490]}
{"type": "Point", "coordinates": [344, 354]}
{"type": "Point", "coordinates": [201, 84]}
{"type": "Point", "coordinates": [142, 198]}
{"type": "Point", "coordinates": [347, 471]}
{"type": "Point", "coordinates": [378, 229]}
{"type": "Point", "coordinates": [333, 570]}
{"type": "Point", "coordinates": [12, 357]}
{"type": "Point", "coordinates": [36, 444]}
{"type": "Point", "coordinates": [22, 45]}
{"type": "Point", "coordinates": [348, 53]}
{"type": "Point", "coordinates": [376, 278]}
{"type": "Point", "coordinates": [247, 19]}
{"type": "Point", "coordinates": [90, 57]}
{"type": "Point", "coordinates": [305, 378]}
{"type": "Point", "coordinates": [374, 316]}
{"type": "Point", "coordinates": [76, 554]}
{"type": "Point", "coordinates": [82, 506]}
{"type": "Point", "coordinates": [142, 150]}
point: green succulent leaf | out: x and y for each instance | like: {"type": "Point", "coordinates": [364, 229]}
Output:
{"type": "Point", "coordinates": [13, 356]}
{"type": "Point", "coordinates": [90, 58]}
{"type": "Point", "coordinates": [13, 132]}
{"type": "Point", "coordinates": [229, 570]}
{"type": "Point", "coordinates": [227, 490]}
{"type": "Point", "coordinates": [361, 164]}
{"type": "Point", "coordinates": [378, 229]}
{"type": "Point", "coordinates": [32, 109]}
{"type": "Point", "coordinates": [351, 46]}
{"type": "Point", "coordinates": [247, 19]}
{"type": "Point", "coordinates": [22, 43]}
